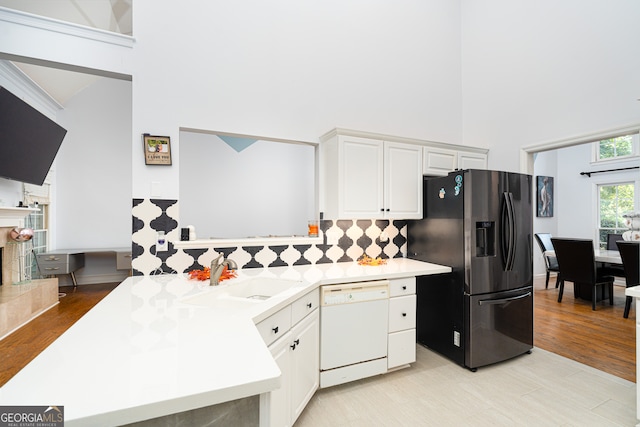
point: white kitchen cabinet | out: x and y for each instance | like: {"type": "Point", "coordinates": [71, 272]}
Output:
{"type": "Point", "coordinates": [401, 346]}
{"type": "Point", "coordinates": [305, 365]}
{"type": "Point", "coordinates": [438, 161]}
{"type": "Point", "coordinates": [470, 160]}
{"type": "Point", "coordinates": [370, 178]}
{"type": "Point", "coordinates": [296, 352]}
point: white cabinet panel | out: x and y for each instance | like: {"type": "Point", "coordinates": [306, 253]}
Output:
{"type": "Point", "coordinates": [403, 180]}
{"type": "Point", "coordinates": [402, 286]}
{"type": "Point", "coordinates": [304, 306]}
{"type": "Point", "coordinates": [369, 178]}
{"type": "Point", "coordinates": [360, 177]}
{"type": "Point", "coordinates": [402, 348]}
{"type": "Point", "coordinates": [276, 405]}
{"type": "Point", "coordinates": [439, 161]}
{"type": "Point", "coordinates": [275, 326]}
{"type": "Point", "coordinates": [472, 160]}
{"type": "Point", "coordinates": [402, 313]}
{"type": "Point", "coordinates": [305, 362]}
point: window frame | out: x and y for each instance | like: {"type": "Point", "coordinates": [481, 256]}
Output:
{"type": "Point", "coordinates": [605, 182]}
{"type": "Point", "coordinates": [635, 150]}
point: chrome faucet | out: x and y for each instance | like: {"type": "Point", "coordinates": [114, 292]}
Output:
{"type": "Point", "coordinates": [217, 267]}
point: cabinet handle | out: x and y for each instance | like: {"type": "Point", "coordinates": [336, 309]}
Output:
{"type": "Point", "coordinates": [404, 288]}
{"type": "Point", "coordinates": [381, 209]}
{"type": "Point", "coordinates": [309, 305]}
{"type": "Point", "coordinates": [52, 268]}
{"type": "Point", "coordinates": [388, 209]}
{"type": "Point", "coordinates": [275, 330]}
{"type": "Point", "coordinates": [404, 314]}
{"type": "Point", "coordinates": [295, 343]}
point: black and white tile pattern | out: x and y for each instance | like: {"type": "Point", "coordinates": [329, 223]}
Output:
{"type": "Point", "coordinates": [354, 238]}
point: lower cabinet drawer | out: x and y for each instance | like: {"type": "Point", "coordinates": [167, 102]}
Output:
{"type": "Point", "coordinates": [304, 306]}
{"type": "Point", "coordinates": [401, 348]}
{"type": "Point", "coordinates": [275, 326]}
{"type": "Point", "coordinates": [59, 263]}
{"type": "Point", "coordinates": [123, 261]}
{"type": "Point", "coordinates": [402, 313]}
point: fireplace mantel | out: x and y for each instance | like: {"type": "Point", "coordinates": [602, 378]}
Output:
{"type": "Point", "coordinates": [14, 217]}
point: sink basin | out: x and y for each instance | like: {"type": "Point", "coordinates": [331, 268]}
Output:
{"type": "Point", "coordinates": [242, 294]}
{"type": "Point", "coordinates": [219, 301]}
{"type": "Point", "coordinates": [259, 288]}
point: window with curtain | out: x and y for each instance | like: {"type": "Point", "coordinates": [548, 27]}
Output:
{"type": "Point", "coordinates": [614, 200]}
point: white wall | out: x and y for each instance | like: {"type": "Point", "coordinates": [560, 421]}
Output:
{"type": "Point", "coordinates": [293, 70]}
{"type": "Point", "coordinates": [536, 71]}
{"type": "Point", "coordinates": [576, 197]}
{"type": "Point", "coordinates": [545, 164]}
{"type": "Point", "coordinates": [93, 169]}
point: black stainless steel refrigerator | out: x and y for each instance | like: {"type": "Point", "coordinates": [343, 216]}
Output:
{"type": "Point", "coordinates": [480, 223]}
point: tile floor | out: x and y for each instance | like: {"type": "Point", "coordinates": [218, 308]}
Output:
{"type": "Point", "coordinates": [537, 389]}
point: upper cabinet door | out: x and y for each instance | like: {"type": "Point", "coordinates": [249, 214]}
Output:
{"type": "Point", "coordinates": [403, 180]}
{"type": "Point", "coordinates": [360, 180]}
{"type": "Point", "coordinates": [468, 160]}
{"type": "Point", "coordinates": [439, 161]}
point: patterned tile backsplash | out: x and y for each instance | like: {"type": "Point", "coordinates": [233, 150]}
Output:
{"type": "Point", "coordinates": [354, 237]}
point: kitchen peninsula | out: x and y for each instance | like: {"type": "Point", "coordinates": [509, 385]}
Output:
{"type": "Point", "coordinates": [143, 353]}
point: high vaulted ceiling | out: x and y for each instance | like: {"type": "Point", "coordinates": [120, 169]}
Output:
{"type": "Point", "coordinates": [109, 15]}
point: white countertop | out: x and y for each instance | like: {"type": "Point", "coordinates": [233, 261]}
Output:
{"type": "Point", "coordinates": [142, 353]}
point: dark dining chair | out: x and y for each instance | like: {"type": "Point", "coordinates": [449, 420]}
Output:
{"type": "Point", "coordinates": [577, 264]}
{"type": "Point", "coordinates": [630, 254]}
{"type": "Point", "coordinates": [612, 238]}
{"type": "Point", "coordinates": [613, 269]}
{"type": "Point", "coordinates": [550, 261]}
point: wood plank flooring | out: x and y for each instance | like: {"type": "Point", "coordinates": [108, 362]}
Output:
{"type": "Point", "coordinates": [23, 345]}
{"type": "Point", "coordinates": [602, 339]}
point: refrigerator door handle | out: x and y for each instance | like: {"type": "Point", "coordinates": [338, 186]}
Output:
{"type": "Point", "coordinates": [508, 246]}
{"type": "Point", "coordinates": [503, 300]}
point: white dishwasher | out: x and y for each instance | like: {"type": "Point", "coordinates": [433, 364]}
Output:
{"type": "Point", "coordinates": [354, 325]}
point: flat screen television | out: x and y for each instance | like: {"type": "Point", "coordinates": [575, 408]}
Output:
{"type": "Point", "coordinates": [29, 140]}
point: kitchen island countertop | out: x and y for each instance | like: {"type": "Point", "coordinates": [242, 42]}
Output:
{"type": "Point", "coordinates": [142, 352]}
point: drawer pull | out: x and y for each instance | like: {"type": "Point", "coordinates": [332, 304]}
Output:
{"type": "Point", "coordinates": [404, 288]}
{"type": "Point", "coordinates": [52, 268]}
{"type": "Point", "coordinates": [295, 343]}
{"type": "Point", "coordinates": [404, 314]}
{"type": "Point", "coordinates": [309, 305]}
{"type": "Point", "coordinates": [275, 330]}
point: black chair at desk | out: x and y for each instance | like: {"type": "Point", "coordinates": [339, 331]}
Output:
{"type": "Point", "coordinates": [577, 263]}
{"type": "Point", "coordinates": [630, 254]}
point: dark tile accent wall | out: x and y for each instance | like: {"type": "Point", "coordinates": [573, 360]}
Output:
{"type": "Point", "coordinates": [354, 238]}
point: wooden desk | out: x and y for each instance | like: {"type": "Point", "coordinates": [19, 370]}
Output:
{"type": "Point", "coordinates": [68, 261]}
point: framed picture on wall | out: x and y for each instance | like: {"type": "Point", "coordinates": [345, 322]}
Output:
{"type": "Point", "coordinates": [157, 150]}
{"type": "Point", "coordinates": [545, 196]}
